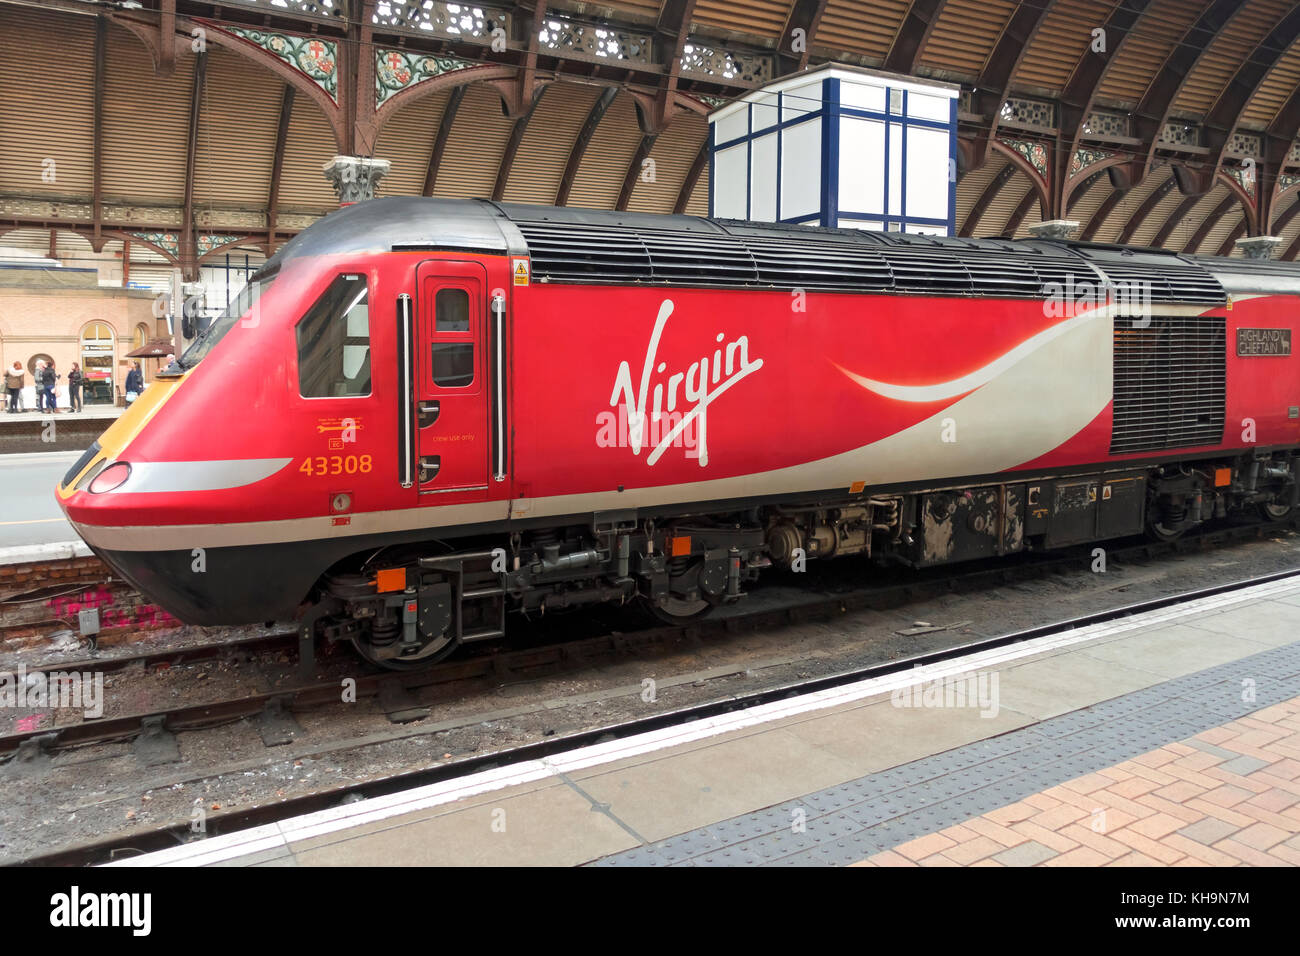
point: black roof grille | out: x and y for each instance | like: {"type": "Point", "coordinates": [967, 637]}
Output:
{"type": "Point", "coordinates": [1154, 274]}
{"type": "Point", "coordinates": [587, 253]}
{"type": "Point", "coordinates": [680, 257]}
{"type": "Point", "coordinates": [574, 246]}
{"type": "Point", "coordinates": [1174, 282]}
{"type": "Point", "coordinates": [825, 265]}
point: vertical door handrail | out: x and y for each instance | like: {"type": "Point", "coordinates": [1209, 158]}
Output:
{"type": "Point", "coordinates": [405, 378]}
{"type": "Point", "coordinates": [499, 388]}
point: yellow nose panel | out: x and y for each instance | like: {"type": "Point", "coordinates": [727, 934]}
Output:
{"type": "Point", "coordinates": [122, 432]}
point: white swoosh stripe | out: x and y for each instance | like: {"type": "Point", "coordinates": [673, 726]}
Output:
{"type": "Point", "coordinates": [172, 476]}
{"type": "Point", "coordinates": [981, 376]}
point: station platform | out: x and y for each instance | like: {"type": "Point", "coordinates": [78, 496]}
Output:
{"type": "Point", "coordinates": [1170, 737]}
{"type": "Point", "coordinates": [104, 414]}
{"type": "Point", "coordinates": [31, 432]}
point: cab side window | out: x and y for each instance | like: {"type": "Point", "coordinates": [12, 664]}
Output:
{"type": "Point", "coordinates": [334, 342]}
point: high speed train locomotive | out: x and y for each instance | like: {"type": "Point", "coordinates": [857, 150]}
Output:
{"type": "Point", "coordinates": [424, 415]}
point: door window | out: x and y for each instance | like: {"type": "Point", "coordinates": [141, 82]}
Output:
{"type": "Point", "coordinates": [452, 349]}
{"type": "Point", "coordinates": [453, 364]}
{"type": "Point", "coordinates": [452, 311]}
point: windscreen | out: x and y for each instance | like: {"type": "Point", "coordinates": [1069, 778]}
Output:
{"type": "Point", "coordinates": [243, 307]}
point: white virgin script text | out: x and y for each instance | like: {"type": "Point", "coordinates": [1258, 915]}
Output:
{"type": "Point", "coordinates": [695, 384]}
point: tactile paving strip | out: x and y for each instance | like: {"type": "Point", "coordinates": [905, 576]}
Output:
{"type": "Point", "coordinates": [851, 821]}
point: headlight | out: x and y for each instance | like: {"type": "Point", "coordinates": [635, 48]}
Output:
{"type": "Point", "coordinates": [110, 478]}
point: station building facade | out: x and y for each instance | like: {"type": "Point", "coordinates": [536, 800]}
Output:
{"type": "Point", "coordinates": [64, 315]}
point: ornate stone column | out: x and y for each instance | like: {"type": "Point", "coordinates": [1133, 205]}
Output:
{"type": "Point", "coordinates": [1054, 229]}
{"type": "Point", "coordinates": [1258, 247]}
{"type": "Point", "coordinates": [354, 177]}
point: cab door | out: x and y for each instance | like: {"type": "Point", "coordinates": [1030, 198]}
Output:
{"type": "Point", "coordinates": [451, 394]}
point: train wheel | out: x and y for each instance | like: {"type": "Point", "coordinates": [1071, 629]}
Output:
{"type": "Point", "coordinates": [1272, 511]}
{"type": "Point", "coordinates": [679, 610]}
{"type": "Point", "coordinates": [385, 656]}
{"type": "Point", "coordinates": [1157, 531]}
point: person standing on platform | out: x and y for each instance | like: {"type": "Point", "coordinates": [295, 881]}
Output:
{"type": "Point", "coordinates": [51, 378]}
{"type": "Point", "coordinates": [14, 381]}
{"type": "Point", "coordinates": [75, 379]}
{"type": "Point", "coordinates": [134, 384]}
{"type": "Point", "coordinates": [38, 385]}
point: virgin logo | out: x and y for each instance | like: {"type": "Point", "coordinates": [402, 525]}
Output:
{"type": "Point", "coordinates": [698, 386]}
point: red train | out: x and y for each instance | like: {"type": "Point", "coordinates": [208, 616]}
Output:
{"type": "Point", "coordinates": [424, 414]}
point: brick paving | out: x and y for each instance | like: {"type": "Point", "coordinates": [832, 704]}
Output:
{"type": "Point", "coordinates": [1176, 773]}
{"type": "Point", "coordinates": [1229, 796]}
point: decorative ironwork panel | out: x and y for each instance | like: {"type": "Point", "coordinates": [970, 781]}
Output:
{"type": "Point", "coordinates": [1106, 123]}
{"type": "Point", "coordinates": [1038, 113]}
{"type": "Point", "coordinates": [566, 37]}
{"type": "Point", "coordinates": [1035, 153]}
{"type": "Point", "coordinates": [395, 70]}
{"type": "Point", "coordinates": [169, 242]}
{"type": "Point", "coordinates": [294, 220]}
{"type": "Point", "coordinates": [312, 56]}
{"type": "Point", "coordinates": [1245, 178]}
{"type": "Point", "coordinates": [1245, 144]}
{"type": "Point", "coordinates": [1294, 155]}
{"type": "Point", "coordinates": [48, 209]}
{"type": "Point", "coordinates": [212, 243]}
{"type": "Point", "coordinates": [324, 9]}
{"type": "Point", "coordinates": [1180, 134]}
{"type": "Point", "coordinates": [1083, 158]}
{"type": "Point", "coordinates": [166, 215]}
{"type": "Point", "coordinates": [229, 219]}
{"type": "Point", "coordinates": [1286, 181]}
{"type": "Point", "coordinates": [461, 21]}
{"type": "Point", "coordinates": [724, 64]}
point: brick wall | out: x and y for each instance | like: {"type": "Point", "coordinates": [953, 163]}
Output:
{"type": "Point", "coordinates": [50, 321]}
{"type": "Point", "coordinates": [52, 593]}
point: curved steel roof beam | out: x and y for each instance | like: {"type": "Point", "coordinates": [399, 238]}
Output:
{"type": "Point", "coordinates": [1080, 93]}
{"type": "Point", "coordinates": [913, 33]}
{"type": "Point", "coordinates": [986, 199]}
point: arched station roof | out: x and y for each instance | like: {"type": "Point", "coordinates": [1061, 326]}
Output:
{"type": "Point", "coordinates": [191, 127]}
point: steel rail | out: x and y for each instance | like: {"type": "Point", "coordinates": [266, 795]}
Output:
{"type": "Point", "coordinates": [117, 847]}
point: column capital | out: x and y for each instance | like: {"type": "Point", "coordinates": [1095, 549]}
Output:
{"type": "Point", "coordinates": [354, 177]}
{"type": "Point", "coordinates": [1258, 247]}
{"type": "Point", "coordinates": [1054, 229]}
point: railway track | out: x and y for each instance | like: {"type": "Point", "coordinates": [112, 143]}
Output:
{"type": "Point", "coordinates": [553, 658]}
{"type": "Point", "coordinates": [120, 847]}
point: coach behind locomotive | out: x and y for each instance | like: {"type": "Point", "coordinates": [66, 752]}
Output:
{"type": "Point", "coordinates": [469, 408]}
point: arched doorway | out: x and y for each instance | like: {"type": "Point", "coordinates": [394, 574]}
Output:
{"type": "Point", "coordinates": [97, 363]}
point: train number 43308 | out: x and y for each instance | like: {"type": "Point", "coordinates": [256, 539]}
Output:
{"type": "Point", "coordinates": [337, 465]}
